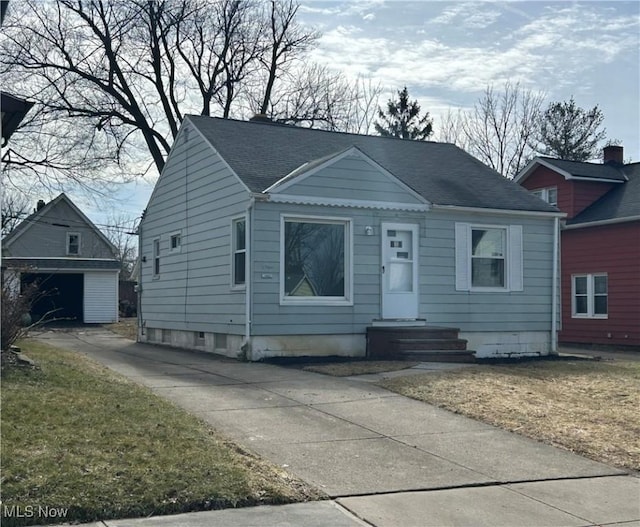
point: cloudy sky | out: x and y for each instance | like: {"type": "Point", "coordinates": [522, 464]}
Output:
{"type": "Point", "coordinates": [446, 53]}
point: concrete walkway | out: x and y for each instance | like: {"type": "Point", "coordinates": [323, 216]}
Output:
{"type": "Point", "coordinates": [384, 459]}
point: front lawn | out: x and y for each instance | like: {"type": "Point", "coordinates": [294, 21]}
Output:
{"type": "Point", "coordinates": [81, 439]}
{"type": "Point", "coordinates": [589, 407]}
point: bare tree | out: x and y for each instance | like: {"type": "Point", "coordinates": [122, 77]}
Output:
{"type": "Point", "coordinates": [499, 129]}
{"type": "Point", "coordinates": [287, 40]}
{"type": "Point", "coordinates": [15, 207]}
{"type": "Point", "coordinates": [120, 230]}
{"type": "Point", "coordinates": [315, 96]}
{"type": "Point", "coordinates": [112, 76]}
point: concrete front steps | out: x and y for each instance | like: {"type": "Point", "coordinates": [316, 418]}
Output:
{"type": "Point", "coordinates": [421, 343]}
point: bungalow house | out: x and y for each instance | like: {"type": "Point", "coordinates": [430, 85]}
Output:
{"type": "Point", "coordinates": [263, 240]}
{"type": "Point", "coordinates": [600, 244]}
{"type": "Point", "coordinates": [73, 263]}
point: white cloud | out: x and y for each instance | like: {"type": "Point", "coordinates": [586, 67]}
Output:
{"type": "Point", "coordinates": [472, 15]}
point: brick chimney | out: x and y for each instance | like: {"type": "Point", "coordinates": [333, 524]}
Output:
{"type": "Point", "coordinates": [613, 154]}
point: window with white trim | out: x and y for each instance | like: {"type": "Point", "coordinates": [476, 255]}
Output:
{"type": "Point", "coordinates": [488, 257]}
{"type": "Point", "coordinates": [239, 252]}
{"type": "Point", "coordinates": [156, 257]}
{"type": "Point", "coordinates": [175, 242]}
{"type": "Point", "coordinates": [589, 296]}
{"type": "Point", "coordinates": [73, 243]}
{"type": "Point", "coordinates": [548, 194]}
{"type": "Point", "coordinates": [316, 265]}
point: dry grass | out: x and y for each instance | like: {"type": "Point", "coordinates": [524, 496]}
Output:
{"type": "Point", "coordinates": [346, 369]}
{"type": "Point", "coordinates": [125, 327]}
{"type": "Point", "coordinates": [78, 437]}
{"type": "Point", "coordinates": [591, 408]}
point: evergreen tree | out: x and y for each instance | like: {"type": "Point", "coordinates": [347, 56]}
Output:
{"type": "Point", "coordinates": [567, 131]}
{"type": "Point", "coordinates": [402, 119]}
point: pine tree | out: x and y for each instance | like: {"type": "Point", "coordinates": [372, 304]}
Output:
{"type": "Point", "coordinates": [402, 119]}
{"type": "Point", "coordinates": [567, 131]}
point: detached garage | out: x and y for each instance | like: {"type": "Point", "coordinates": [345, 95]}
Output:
{"type": "Point", "coordinates": [73, 263]}
{"type": "Point", "coordinates": [82, 290]}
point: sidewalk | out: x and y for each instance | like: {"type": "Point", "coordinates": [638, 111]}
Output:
{"type": "Point", "coordinates": [381, 457]}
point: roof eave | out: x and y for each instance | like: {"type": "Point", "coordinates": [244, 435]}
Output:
{"type": "Point", "coordinates": [506, 212]}
{"type": "Point", "coordinates": [598, 223]}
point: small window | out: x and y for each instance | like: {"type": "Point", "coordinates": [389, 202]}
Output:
{"type": "Point", "coordinates": [590, 296]}
{"type": "Point", "coordinates": [549, 194]}
{"type": "Point", "coordinates": [199, 338]}
{"type": "Point", "coordinates": [73, 243]}
{"type": "Point", "coordinates": [156, 257]}
{"type": "Point", "coordinates": [239, 252]}
{"type": "Point", "coordinates": [488, 254]}
{"type": "Point", "coordinates": [175, 242]}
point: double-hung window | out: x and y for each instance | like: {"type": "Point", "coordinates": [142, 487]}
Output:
{"type": "Point", "coordinates": [488, 258]}
{"type": "Point", "coordinates": [73, 243]}
{"type": "Point", "coordinates": [316, 261]}
{"type": "Point", "coordinates": [589, 298]}
{"type": "Point", "coordinates": [239, 252]}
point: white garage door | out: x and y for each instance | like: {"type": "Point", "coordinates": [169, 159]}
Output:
{"type": "Point", "coordinates": [100, 297]}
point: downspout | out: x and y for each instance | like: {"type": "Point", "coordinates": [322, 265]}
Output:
{"type": "Point", "coordinates": [246, 346]}
{"type": "Point", "coordinates": [141, 328]}
{"type": "Point", "coordinates": [554, 287]}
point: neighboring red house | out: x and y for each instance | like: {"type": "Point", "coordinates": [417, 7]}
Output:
{"type": "Point", "coordinates": [600, 244]}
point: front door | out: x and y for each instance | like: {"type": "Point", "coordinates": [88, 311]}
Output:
{"type": "Point", "coordinates": [399, 271]}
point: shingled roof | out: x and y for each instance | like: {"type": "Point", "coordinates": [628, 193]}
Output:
{"type": "Point", "coordinates": [580, 169]}
{"type": "Point", "coordinates": [620, 203]}
{"type": "Point", "coordinates": [263, 153]}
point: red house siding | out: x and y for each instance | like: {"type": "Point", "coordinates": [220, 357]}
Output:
{"type": "Point", "coordinates": [573, 196]}
{"type": "Point", "coordinates": [611, 249]}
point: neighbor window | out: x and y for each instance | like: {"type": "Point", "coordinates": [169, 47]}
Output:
{"type": "Point", "coordinates": [590, 296]}
{"type": "Point", "coordinates": [239, 251]}
{"type": "Point", "coordinates": [73, 243]}
{"type": "Point", "coordinates": [316, 261]}
{"type": "Point", "coordinates": [156, 257]}
{"type": "Point", "coordinates": [549, 194]}
{"type": "Point", "coordinates": [488, 258]}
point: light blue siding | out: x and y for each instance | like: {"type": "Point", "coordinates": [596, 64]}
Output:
{"type": "Point", "coordinates": [352, 178]}
{"type": "Point", "coordinates": [527, 310]}
{"type": "Point", "coordinates": [440, 303]}
{"type": "Point", "coordinates": [196, 195]}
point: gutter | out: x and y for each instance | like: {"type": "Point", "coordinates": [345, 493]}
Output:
{"type": "Point", "coordinates": [598, 223]}
{"type": "Point", "coordinates": [457, 208]}
{"type": "Point", "coordinates": [554, 287]}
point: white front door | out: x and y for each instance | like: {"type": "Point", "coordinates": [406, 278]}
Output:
{"type": "Point", "coordinates": [399, 271]}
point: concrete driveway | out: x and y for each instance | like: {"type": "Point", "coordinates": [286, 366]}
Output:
{"type": "Point", "coordinates": [383, 459]}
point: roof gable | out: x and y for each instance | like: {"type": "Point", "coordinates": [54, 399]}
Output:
{"type": "Point", "coordinates": [596, 172]}
{"type": "Point", "coordinates": [262, 154]}
{"type": "Point", "coordinates": [349, 174]}
{"type": "Point", "coordinates": [50, 214]}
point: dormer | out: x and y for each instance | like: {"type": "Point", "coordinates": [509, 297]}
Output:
{"type": "Point", "coordinates": [573, 185]}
